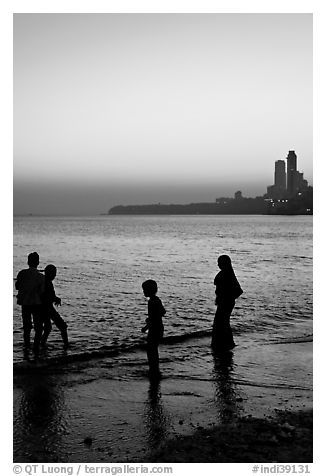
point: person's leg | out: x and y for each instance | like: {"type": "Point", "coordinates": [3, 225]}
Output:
{"type": "Point", "coordinates": [217, 337]}
{"type": "Point", "coordinates": [27, 324]}
{"type": "Point", "coordinates": [38, 322]}
{"type": "Point", "coordinates": [228, 336]}
{"type": "Point", "coordinates": [153, 356]}
{"type": "Point", "coordinates": [47, 326]}
{"type": "Point", "coordinates": [222, 337]}
{"type": "Point", "coordinates": [61, 325]}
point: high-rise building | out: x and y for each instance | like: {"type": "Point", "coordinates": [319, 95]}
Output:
{"type": "Point", "coordinates": [292, 175]}
{"type": "Point", "coordinates": [278, 190]}
{"type": "Point", "coordinates": [280, 175]}
{"type": "Point", "coordinates": [287, 184]}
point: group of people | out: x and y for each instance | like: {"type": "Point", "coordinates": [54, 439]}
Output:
{"type": "Point", "coordinates": [227, 290]}
{"type": "Point", "coordinates": [37, 297]}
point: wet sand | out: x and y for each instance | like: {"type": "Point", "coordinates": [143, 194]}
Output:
{"type": "Point", "coordinates": [83, 413]}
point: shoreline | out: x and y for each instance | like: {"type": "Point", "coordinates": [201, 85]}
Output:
{"type": "Point", "coordinates": [129, 418]}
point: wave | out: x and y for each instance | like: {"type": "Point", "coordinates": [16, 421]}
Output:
{"type": "Point", "coordinates": [293, 340]}
{"type": "Point", "coordinates": [107, 351]}
{"type": "Point", "coordinates": [100, 353]}
{"type": "Point", "coordinates": [249, 383]}
{"type": "Point", "coordinates": [183, 337]}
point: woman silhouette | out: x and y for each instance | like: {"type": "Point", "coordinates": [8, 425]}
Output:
{"type": "Point", "coordinates": [227, 291]}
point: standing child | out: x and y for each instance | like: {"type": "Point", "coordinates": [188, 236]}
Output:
{"type": "Point", "coordinates": [154, 325]}
{"type": "Point", "coordinates": [50, 314]}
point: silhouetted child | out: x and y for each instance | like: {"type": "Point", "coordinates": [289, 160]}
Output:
{"type": "Point", "coordinates": [154, 325]}
{"type": "Point", "coordinates": [227, 291]}
{"type": "Point", "coordinates": [49, 313]}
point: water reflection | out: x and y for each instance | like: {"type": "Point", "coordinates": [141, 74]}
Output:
{"type": "Point", "coordinates": [38, 421]}
{"type": "Point", "coordinates": [225, 393]}
{"type": "Point", "coordinates": [156, 420]}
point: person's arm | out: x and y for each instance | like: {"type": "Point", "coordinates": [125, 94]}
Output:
{"type": "Point", "coordinates": [217, 280]}
{"type": "Point", "coordinates": [49, 293]}
{"type": "Point", "coordinates": [52, 295]}
{"type": "Point", "coordinates": [156, 308]}
{"type": "Point", "coordinates": [237, 289]}
{"type": "Point", "coordinates": [163, 311]}
{"type": "Point", "coordinates": [216, 283]}
{"type": "Point", "coordinates": [57, 300]}
{"type": "Point", "coordinates": [17, 282]}
{"type": "Point", "coordinates": [145, 328]}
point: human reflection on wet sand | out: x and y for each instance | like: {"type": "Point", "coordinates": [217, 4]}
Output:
{"type": "Point", "coordinates": [38, 421]}
{"type": "Point", "coordinates": [156, 420]}
{"type": "Point", "coordinates": [225, 394]}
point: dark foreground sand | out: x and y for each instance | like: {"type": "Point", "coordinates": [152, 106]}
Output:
{"type": "Point", "coordinates": [285, 437]}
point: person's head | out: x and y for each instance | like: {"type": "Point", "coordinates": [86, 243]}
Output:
{"type": "Point", "coordinates": [33, 260]}
{"type": "Point", "coordinates": [149, 288]}
{"type": "Point", "coordinates": [224, 262]}
{"type": "Point", "coordinates": [50, 271]}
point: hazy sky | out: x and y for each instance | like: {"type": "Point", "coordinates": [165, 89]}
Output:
{"type": "Point", "coordinates": [143, 108]}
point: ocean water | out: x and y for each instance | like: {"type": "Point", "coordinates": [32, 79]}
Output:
{"type": "Point", "coordinates": [102, 261]}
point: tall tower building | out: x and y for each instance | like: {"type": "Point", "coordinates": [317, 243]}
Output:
{"type": "Point", "coordinates": [288, 184]}
{"type": "Point", "coordinates": [292, 176]}
{"type": "Point", "coordinates": [280, 175]}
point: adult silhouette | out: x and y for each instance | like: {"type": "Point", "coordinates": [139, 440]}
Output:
{"type": "Point", "coordinates": [227, 291]}
{"type": "Point", "coordinates": [30, 287]}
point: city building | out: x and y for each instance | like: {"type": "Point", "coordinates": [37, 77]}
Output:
{"type": "Point", "coordinates": [280, 175]}
{"type": "Point", "coordinates": [278, 190]}
{"type": "Point", "coordinates": [289, 183]}
{"type": "Point", "coordinates": [292, 173]}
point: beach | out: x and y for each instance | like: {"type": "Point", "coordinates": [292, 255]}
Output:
{"type": "Point", "coordinates": [82, 412]}
{"type": "Point", "coordinates": [95, 402]}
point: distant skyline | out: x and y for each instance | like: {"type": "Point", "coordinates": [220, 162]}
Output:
{"type": "Point", "coordinates": [116, 109]}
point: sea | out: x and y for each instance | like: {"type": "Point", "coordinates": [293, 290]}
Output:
{"type": "Point", "coordinates": [102, 261]}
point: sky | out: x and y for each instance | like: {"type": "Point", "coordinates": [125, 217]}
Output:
{"type": "Point", "coordinates": [133, 108]}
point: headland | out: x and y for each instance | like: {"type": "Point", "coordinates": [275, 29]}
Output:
{"type": "Point", "coordinates": [300, 204]}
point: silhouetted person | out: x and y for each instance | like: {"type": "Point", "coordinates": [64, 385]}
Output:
{"type": "Point", "coordinates": [227, 291]}
{"type": "Point", "coordinates": [30, 287]}
{"type": "Point", "coordinates": [49, 312]}
{"type": "Point", "coordinates": [154, 325]}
